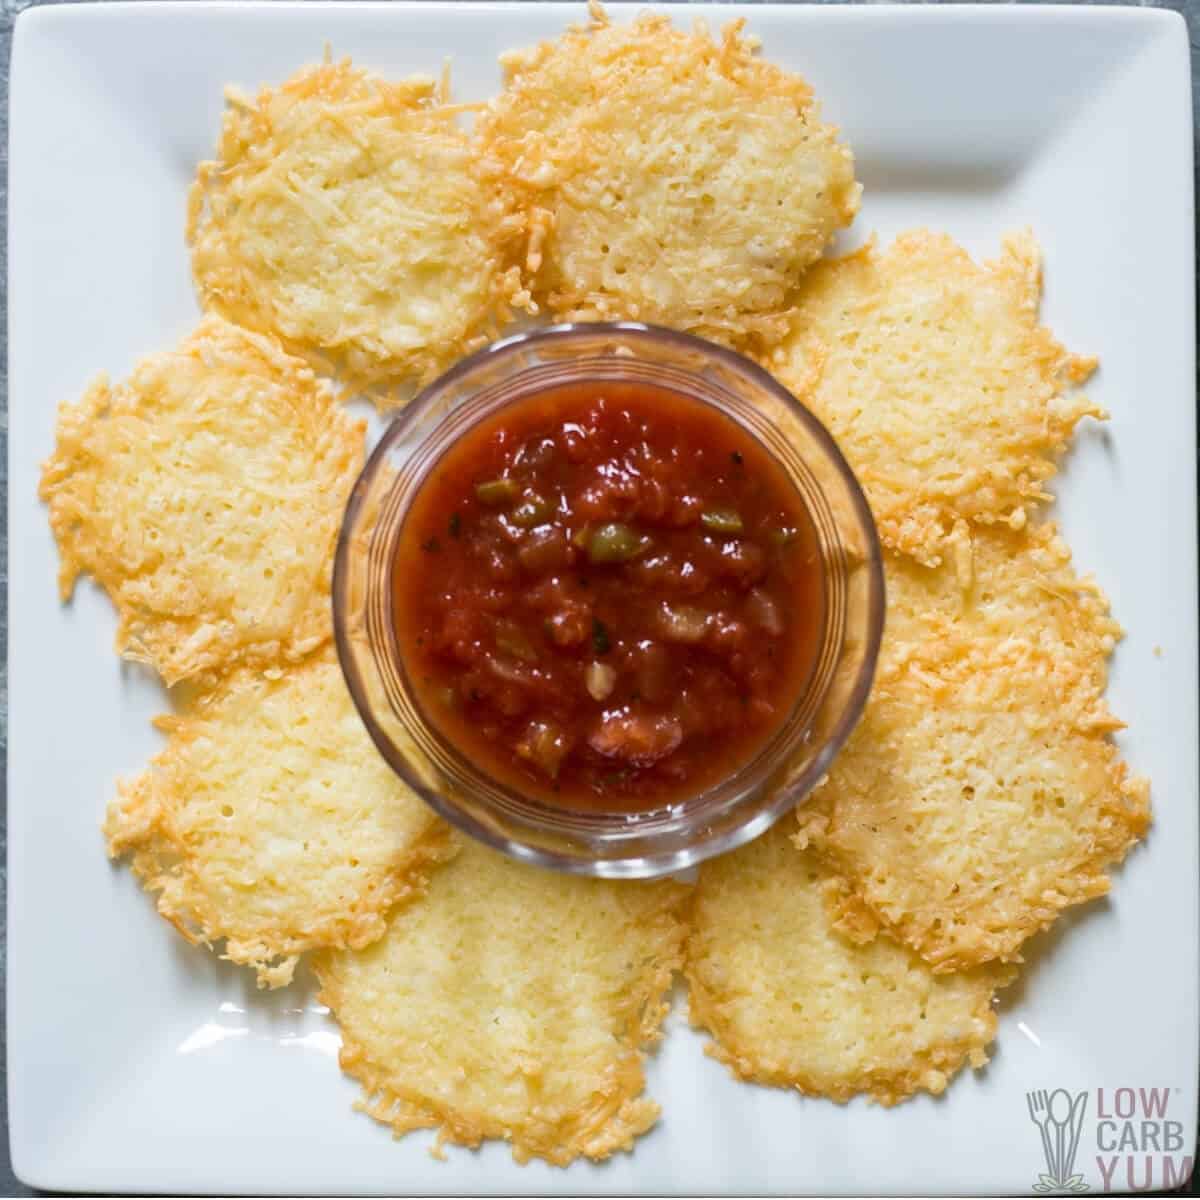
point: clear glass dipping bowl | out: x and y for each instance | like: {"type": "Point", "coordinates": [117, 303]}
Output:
{"type": "Point", "coordinates": [788, 766]}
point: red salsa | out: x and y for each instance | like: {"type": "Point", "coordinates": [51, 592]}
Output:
{"type": "Point", "coordinates": [608, 597]}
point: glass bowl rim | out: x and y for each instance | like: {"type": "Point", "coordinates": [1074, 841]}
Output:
{"type": "Point", "coordinates": [767, 814]}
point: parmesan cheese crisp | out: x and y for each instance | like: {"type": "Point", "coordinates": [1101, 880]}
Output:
{"type": "Point", "coordinates": [1000, 584]}
{"type": "Point", "coordinates": [790, 1002]}
{"type": "Point", "coordinates": [979, 796]}
{"type": "Point", "coordinates": [948, 399]}
{"type": "Point", "coordinates": [671, 178]}
{"type": "Point", "coordinates": [345, 214]}
{"type": "Point", "coordinates": [271, 822]}
{"type": "Point", "coordinates": [512, 1003]}
{"type": "Point", "coordinates": [205, 495]}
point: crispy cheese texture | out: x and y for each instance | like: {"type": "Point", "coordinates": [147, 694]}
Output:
{"type": "Point", "coordinates": [205, 494]}
{"type": "Point", "coordinates": [271, 823]}
{"type": "Point", "coordinates": [979, 797]}
{"type": "Point", "coordinates": [672, 177]}
{"type": "Point", "coordinates": [790, 1002]}
{"type": "Point", "coordinates": [345, 214]}
{"type": "Point", "coordinates": [1000, 584]}
{"type": "Point", "coordinates": [948, 399]}
{"type": "Point", "coordinates": [512, 1003]}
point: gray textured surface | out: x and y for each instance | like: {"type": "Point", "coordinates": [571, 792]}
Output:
{"type": "Point", "coordinates": [9, 9]}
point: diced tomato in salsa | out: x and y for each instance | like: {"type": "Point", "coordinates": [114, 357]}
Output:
{"type": "Point", "coordinates": [608, 596]}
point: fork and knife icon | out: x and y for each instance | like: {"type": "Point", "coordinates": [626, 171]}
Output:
{"type": "Point", "coordinates": [1059, 1118]}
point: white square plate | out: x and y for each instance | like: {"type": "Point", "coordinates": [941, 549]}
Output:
{"type": "Point", "coordinates": [136, 1063]}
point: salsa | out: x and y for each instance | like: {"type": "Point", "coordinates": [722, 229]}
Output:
{"type": "Point", "coordinates": [608, 597]}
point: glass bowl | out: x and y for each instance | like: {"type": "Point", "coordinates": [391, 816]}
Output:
{"type": "Point", "coordinates": [612, 845]}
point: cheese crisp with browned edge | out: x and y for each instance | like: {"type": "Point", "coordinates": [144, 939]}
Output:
{"type": "Point", "coordinates": [999, 584]}
{"type": "Point", "coordinates": [672, 178]}
{"type": "Point", "coordinates": [345, 214]}
{"type": "Point", "coordinates": [979, 797]}
{"type": "Point", "coordinates": [205, 495]}
{"type": "Point", "coordinates": [271, 822]}
{"type": "Point", "coordinates": [512, 1003]}
{"type": "Point", "coordinates": [791, 1003]}
{"type": "Point", "coordinates": [948, 399]}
